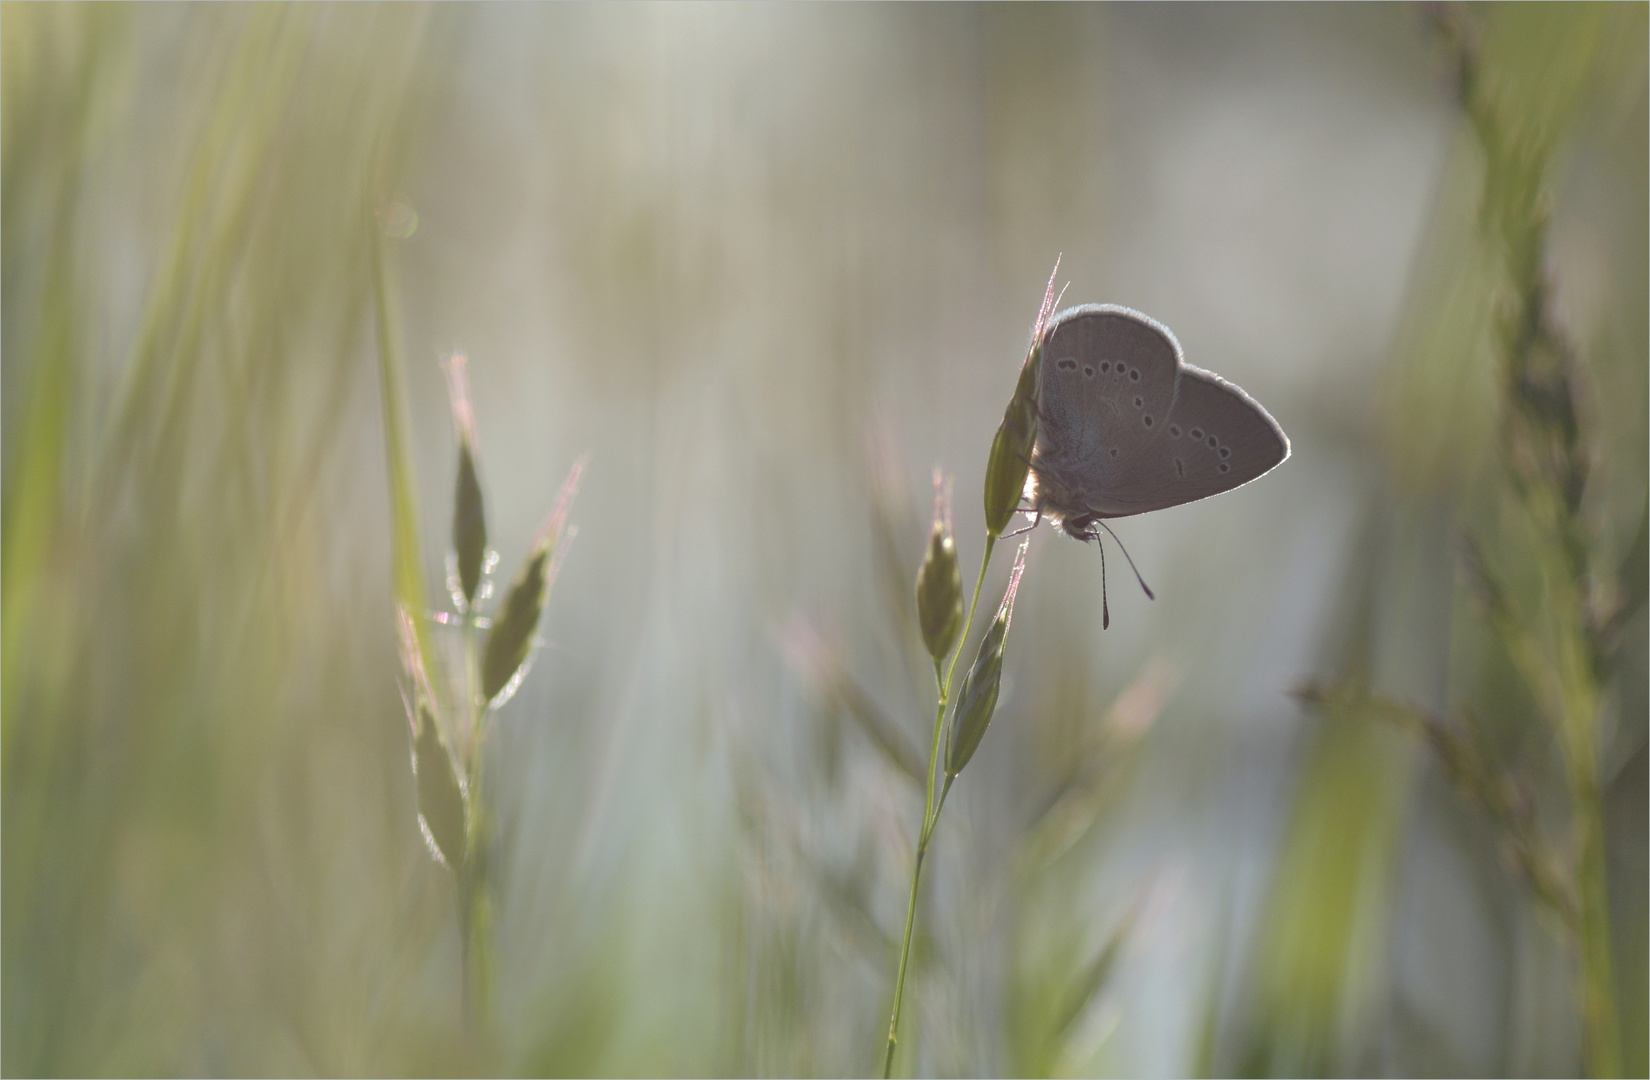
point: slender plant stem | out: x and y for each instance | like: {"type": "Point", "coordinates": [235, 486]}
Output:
{"type": "Point", "coordinates": [466, 987]}
{"type": "Point", "coordinates": [985, 560]}
{"type": "Point", "coordinates": [904, 957]}
{"type": "Point", "coordinates": [1579, 725]}
{"type": "Point", "coordinates": [475, 712]}
{"type": "Point", "coordinates": [931, 807]}
{"type": "Point", "coordinates": [473, 912]}
{"type": "Point", "coordinates": [467, 877]}
{"type": "Point", "coordinates": [945, 789]}
{"type": "Point", "coordinates": [408, 571]}
{"type": "Point", "coordinates": [1598, 1004]}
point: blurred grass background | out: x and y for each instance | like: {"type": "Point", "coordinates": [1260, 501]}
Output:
{"type": "Point", "coordinates": [770, 265]}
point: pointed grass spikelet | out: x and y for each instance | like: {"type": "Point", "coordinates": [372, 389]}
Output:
{"type": "Point", "coordinates": [510, 641]}
{"type": "Point", "coordinates": [442, 815]}
{"type": "Point", "coordinates": [441, 810]}
{"type": "Point", "coordinates": [939, 581]}
{"type": "Point", "coordinates": [1010, 460]}
{"type": "Point", "coordinates": [469, 517]}
{"type": "Point", "coordinates": [412, 660]}
{"type": "Point", "coordinates": [977, 697]}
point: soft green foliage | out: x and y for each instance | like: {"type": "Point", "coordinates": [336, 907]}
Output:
{"type": "Point", "coordinates": [206, 803]}
{"type": "Point", "coordinates": [1492, 404]}
{"type": "Point", "coordinates": [1060, 988]}
{"type": "Point", "coordinates": [410, 596]}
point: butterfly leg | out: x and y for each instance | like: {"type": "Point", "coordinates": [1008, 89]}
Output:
{"type": "Point", "coordinates": [1038, 520]}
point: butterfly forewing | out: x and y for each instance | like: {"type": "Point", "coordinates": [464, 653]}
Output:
{"type": "Point", "coordinates": [1108, 380]}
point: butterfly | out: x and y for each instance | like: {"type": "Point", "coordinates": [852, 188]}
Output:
{"type": "Point", "coordinates": [1126, 426]}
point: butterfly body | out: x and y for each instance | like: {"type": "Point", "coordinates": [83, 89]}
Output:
{"type": "Point", "coordinates": [1126, 426]}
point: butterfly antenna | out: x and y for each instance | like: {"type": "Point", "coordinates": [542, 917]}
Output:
{"type": "Point", "coordinates": [1144, 587]}
{"type": "Point", "coordinates": [1105, 609]}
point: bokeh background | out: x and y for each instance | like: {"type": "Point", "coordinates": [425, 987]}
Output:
{"type": "Point", "coordinates": [770, 266]}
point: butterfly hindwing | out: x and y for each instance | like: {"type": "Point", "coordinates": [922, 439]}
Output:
{"type": "Point", "coordinates": [1218, 438]}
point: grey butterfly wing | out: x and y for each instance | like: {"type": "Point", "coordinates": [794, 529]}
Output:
{"type": "Point", "coordinates": [1128, 427]}
{"type": "Point", "coordinates": [1216, 438]}
{"type": "Point", "coordinates": [1108, 380]}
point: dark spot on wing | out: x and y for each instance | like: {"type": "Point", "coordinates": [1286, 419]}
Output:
{"type": "Point", "coordinates": [1213, 442]}
{"type": "Point", "coordinates": [1138, 401]}
{"type": "Point", "coordinates": [1226, 451]}
{"type": "Point", "coordinates": [1174, 430]}
{"type": "Point", "coordinates": [1197, 433]}
{"type": "Point", "coordinates": [1068, 364]}
{"type": "Point", "coordinates": [1114, 451]}
{"type": "Point", "coordinates": [1134, 373]}
{"type": "Point", "coordinates": [1179, 468]}
{"type": "Point", "coordinates": [1225, 467]}
{"type": "Point", "coordinates": [1089, 371]}
{"type": "Point", "coordinates": [1147, 419]}
{"type": "Point", "coordinates": [1105, 366]}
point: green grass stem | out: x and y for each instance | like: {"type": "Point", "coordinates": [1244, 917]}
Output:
{"type": "Point", "coordinates": [931, 807]}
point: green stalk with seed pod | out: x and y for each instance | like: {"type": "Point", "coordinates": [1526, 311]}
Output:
{"type": "Point", "coordinates": [449, 723]}
{"type": "Point", "coordinates": [939, 605]}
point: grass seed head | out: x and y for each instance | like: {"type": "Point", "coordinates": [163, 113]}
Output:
{"type": "Point", "coordinates": [977, 697]}
{"type": "Point", "coordinates": [412, 660]}
{"type": "Point", "coordinates": [441, 808]}
{"type": "Point", "coordinates": [1010, 460]}
{"type": "Point", "coordinates": [469, 527]}
{"type": "Point", "coordinates": [510, 641]}
{"type": "Point", "coordinates": [939, 581]}
{"type": "Point", "coordinates": [469, 516]}
{"type": "Point", "coordinates": [511, 638]}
